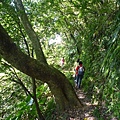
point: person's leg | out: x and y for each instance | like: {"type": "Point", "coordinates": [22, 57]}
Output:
{"type": "Point", "coordinates": [79, 81]}
{"type": "Point", "coordinates": [75, 80]}
{"type": "Point", "coordinates": [75, 77]}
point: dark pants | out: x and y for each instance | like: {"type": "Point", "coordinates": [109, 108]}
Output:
{"type": "Point", "coordinates": [79, 80]}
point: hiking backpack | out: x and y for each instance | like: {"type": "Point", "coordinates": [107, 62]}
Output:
{"type": "Point", "coordinates": [81, 71]}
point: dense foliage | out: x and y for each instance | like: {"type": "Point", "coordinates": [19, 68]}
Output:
{"type": "Point", "coordinates": [87, 29]}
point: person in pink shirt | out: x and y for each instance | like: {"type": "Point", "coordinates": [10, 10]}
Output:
{"type": "Point", "coordinates": [62, 61]}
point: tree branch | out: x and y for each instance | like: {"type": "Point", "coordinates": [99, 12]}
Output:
{"type": "Point", "coordinates": [30, 32]}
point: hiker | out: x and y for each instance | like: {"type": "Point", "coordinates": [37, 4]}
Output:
{"type": "Point", "coordinates": [62, 61]}
{"type": "Point", "coordinates": [79, 73]}
{"type": "Point", "coordinates": [75, 66]}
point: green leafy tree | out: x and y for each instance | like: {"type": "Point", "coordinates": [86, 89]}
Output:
{"type": "Point", "coordinates": [50, 79]}
{"type": "Point", "coordinates": [89, 30]}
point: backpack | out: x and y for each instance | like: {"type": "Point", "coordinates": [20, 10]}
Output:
{"type": "Point", "coordinates": [81, 71]}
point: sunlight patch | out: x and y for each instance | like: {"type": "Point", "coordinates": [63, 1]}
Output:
{"type": "Point", "coordinates": [56, 40]}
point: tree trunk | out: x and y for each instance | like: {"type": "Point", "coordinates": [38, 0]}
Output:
{"type": "Point", "coordinates": [40, 116]}
{"type": "Point", "coordinates": [30, 32]}
{"type": "Point", "coordinates": [60, 87]}
{"type": "Point", "coordinates": [53, 84]}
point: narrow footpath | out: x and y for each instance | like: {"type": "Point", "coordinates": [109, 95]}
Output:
{"type": "Point", "coordinates": [90, 110]}
{"type": "Point", "coordinates": [87, 112]}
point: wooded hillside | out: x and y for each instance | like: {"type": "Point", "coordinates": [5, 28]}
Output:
{"type": "Point", "coordinates": [35, 35]}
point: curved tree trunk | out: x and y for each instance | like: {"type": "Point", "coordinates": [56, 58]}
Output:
{"type": "Point", "coordinates": [30, 32]}
{"type": "Point", "coordinates": [59, 85]}
{"type": "Point", "coordinates": [55, 84]}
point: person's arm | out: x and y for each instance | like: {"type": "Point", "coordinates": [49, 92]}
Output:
{"type": "Point", "coordinates": [76, 70]}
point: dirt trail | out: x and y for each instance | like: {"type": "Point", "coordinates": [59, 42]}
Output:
{"type": "Point", "coordinates": [87, 112]}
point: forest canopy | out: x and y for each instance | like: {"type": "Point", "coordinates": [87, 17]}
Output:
{"type": "Point", "coordinates": [35, 35]}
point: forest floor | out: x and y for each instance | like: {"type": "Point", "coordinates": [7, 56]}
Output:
{"type": "Point", "coordinates": [89, 112]}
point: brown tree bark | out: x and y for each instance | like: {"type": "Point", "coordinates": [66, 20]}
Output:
{"type": "Point", "coordinates": [40, 116]}
{"type": "Point", "coordinates": [60, 87]}
{"type": "Point", "coordinates": [30, 32]}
